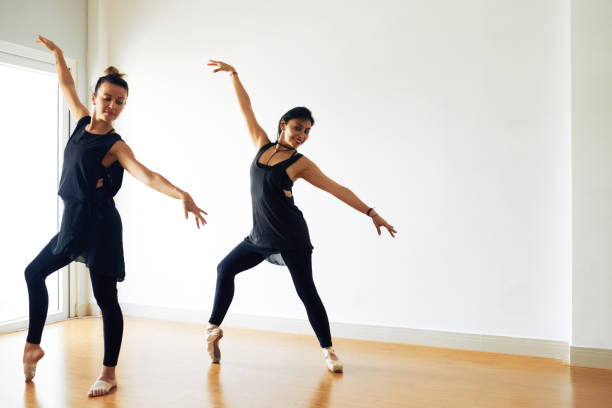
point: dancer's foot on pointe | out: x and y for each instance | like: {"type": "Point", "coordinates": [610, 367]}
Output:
{"type": "Point", "coordinates": [213, 334]}
{"type": "Point", "coordinates": [102, 386]}
{"type": "Point", "coordinates": [331, 359]}
{"type": "Point", "coordinates": [32, 353]}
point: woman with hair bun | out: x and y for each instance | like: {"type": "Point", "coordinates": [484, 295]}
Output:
{"type": "Point", "coordinates": [280, 233]}
{"type": "Point", "coordinates": [91, 232]}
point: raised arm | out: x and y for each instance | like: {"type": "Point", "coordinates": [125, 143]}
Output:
{"type": "Point", "coordinates": [258, 135]}
{"type": "Point", "coordinates": [77, 109]}
{"type": "Point", "coordinates": [156, 181]}
{"type": "Point", "coordinates": [312, 174]}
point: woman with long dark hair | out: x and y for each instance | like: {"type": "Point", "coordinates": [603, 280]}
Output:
{"type": "Point", "coordinates": [91, 232]}
{"type": "Point", "coordinates": [280, 233]}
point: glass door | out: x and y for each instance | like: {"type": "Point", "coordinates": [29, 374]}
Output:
{"type": "Point", "coordinates": [34, 129]}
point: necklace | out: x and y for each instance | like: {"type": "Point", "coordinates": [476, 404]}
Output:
{"type": "Point", "coordinates": [276, 150]}
{"type": "Point", "coordinates": [287, 148]}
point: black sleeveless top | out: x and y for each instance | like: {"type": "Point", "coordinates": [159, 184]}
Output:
{"type": "Point", "coordinates": [91, 230]}
{"type": "Point", "coordinates": [277, 222]}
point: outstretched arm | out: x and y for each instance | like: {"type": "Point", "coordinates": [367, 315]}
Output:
{"type": "Point", "coordinates": [258, 135]}
{"type": "Point", "coordinates": [312, 174]}
{"type": "Point", "coordinates": [156, 181]}
{"type": "Point", "coordinates": [77, 109]}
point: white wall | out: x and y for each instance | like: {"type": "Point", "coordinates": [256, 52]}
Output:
{"type": "Point", "coordinates": [592, 173]}
{"type": "Point", "coordinates": [452, 118]}
{"type": "Point", "coordinates": [63, 21]}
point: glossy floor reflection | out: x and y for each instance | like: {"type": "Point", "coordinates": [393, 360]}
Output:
{"type": "Point", "coordinates": [164, 364]}
{"type": "Point", "coordinates": [320, 397]}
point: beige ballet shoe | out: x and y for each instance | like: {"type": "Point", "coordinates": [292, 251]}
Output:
{"type": "Point", "coordinates": [29, 370]}
{"type": "Point", "coordinates": [213, 335]}
{"type": "Point", "coordinates": [335, 366]}
{"type": "Point", "coordinates": [100, 385]}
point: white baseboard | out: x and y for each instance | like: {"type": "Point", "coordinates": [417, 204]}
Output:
{"type": "Point", "coordinates": [591, 357]}
{"type": "Point", "coordinates": [87, 309]}
{"type": "Point", "coordinates": [432, 338]}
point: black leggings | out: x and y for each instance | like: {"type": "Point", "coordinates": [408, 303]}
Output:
{"type": "Point", "coordinates": [105, 292]}
{"type": "Point", "coordinates": [245, 256]}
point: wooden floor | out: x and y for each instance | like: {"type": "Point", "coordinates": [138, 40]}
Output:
{"type": "Point", "coordinates": [163, 364]}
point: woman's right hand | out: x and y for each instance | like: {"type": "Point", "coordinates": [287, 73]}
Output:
{"type": "Point", "coordinates": [77, 109]}
{"type": "Point", "coordinates": [258, 135]}
{"type": "Point", "coordinates": [48, 43]}
{"type": "Point", "coordinates": [221, 66]}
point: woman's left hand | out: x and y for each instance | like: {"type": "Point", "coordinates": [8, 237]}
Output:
{"type": "Point", "coordinates": [190, 207]}
{"type": "Point", "coordinates": [380, 222]}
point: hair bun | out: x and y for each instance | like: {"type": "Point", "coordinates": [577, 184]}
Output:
{"type": "Point", "coordinates": [113, 71]}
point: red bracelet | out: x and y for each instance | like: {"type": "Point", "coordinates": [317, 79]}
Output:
{"type": "Point", "coordinates": [368, 212]}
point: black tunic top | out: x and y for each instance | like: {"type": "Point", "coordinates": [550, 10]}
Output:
{"type": "Point", "coordinates": [277, 222]}
{"type": "Point", "coordinates": [91, 230]}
